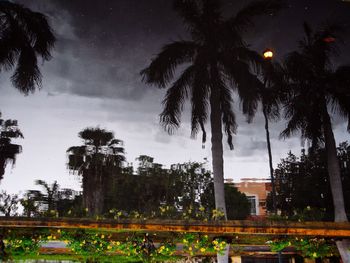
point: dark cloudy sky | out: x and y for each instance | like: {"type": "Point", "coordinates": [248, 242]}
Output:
{"type": "Point", "coordinates": [93, 79]}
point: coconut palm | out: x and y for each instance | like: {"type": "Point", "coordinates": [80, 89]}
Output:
{"type": "Point", "coordinates": [24, 36]}
{"type": "Point", "coordinates": [215, 61]}
{"type": "Point", "coordinates": [268, 93]}
{"type": "Point", "coordinates": [8, 150]}
{"type": "Point", "coordinates": [317, 90]}
{"type": "Point", "coordinates": [95, 161]}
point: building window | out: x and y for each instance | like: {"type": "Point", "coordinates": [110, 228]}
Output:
{"type": "Point", "coordinates": [252, 201]}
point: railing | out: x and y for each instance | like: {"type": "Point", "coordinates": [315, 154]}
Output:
{"type": "Point", "coordinates": [321, 229]}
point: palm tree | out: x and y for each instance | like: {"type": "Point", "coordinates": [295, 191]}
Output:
{"type": "Point", "coordinates": [217, 61]}
{"type": "Point", "coordinates": [270, 96]}
{"type": "Point", "coordinates": [8, 151]}
{"type": "Point", "coordinates": [24, 36]}
{"type": "Point", "coordinates": [317, 90]}
{"type": "Point", "coordinates": [51, 195]}
{"type": "Point", "coordinates": [95, 161]}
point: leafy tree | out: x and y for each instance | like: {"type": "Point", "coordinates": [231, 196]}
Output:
{"type": "Point", "coordinates": [294, 176]}
{"type": "Point", "coordinates": [217, 60]}
{"type": "Point", "coordinates": [237, 203]}
{"type": "Point", "coordinates": [95, 161]}
{"type": "Point", "coordinates": [30, 204]}
{"type": "Point", "coordinates": [24, 36]}
{"type": "Point", "coordinates": [8, 150]}
{"type": "Point", "coordinates": [8, 204]}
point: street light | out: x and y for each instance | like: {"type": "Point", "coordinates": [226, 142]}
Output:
{"type": "Point", "coordinates": [268, 54]}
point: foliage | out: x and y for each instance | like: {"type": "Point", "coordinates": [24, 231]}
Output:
{"type": "Point", "coordinates": [8, 151]}
{"type": "Point", "coordinates": [25, 36]}
{"type": "Point", "coordinates": [237, 204]}
{"type": "Point", "coordinates": [8, 204]}
{"type": "Point", "coordinates": [294, 176]}
{"type": "Point", "coordinates": [309, 247]}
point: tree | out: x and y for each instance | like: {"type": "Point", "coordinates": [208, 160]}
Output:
{"type": "Point", "coordinates": [50, 196]}
{"type": "Point", "coordinates": [270, 96]}
{"type": "Point", "coordinates": [294, 175]}
{"type": "Point", "coordinates": [238, 206]}
{"type": "Point", "coordinates": [8, 150]}
{"type": "Point", "coordinates": [95, 162]}
{"type": "Point", "coordinates": [314, 88]}
{"type": "Point", "coordinates": [8, 204]}
{"type": "Point", "coordinates": [217, 60]}
{"type": "Point", "coordinates": [24, 36]}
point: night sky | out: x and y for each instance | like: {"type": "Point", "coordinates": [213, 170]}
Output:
{"type": "Point", "coordinates": [93, 79]}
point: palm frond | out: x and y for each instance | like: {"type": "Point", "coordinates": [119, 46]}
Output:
{"type": "Point", "coordinates": [228, 116]}
{"type": "Point", "coordinates": [161, 70]}
{"type": "Point", "coordinates": [174, 99]}
{"type": "Point", "coordinates": [27, 75]}
{"type": "Point", "coordinates": [246, 83]}
{"type": "Point", "coordinates": [199, 99]}
{"type": "Point", "coordinates": [339, 87]}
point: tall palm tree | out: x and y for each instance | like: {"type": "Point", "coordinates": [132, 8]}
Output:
{"type": "Point", "coordinates": [8, 150]}
{"type": "Point", "coordinates": [217, 61]}
{"type": "Point", "coordinates": [24, 36]}
{"type": "Point", "coordinates": [317, 90]}
{"type": "Point", "coordinates": [269, 94]}
{"type": "Point", "coordinates": [95, 161]}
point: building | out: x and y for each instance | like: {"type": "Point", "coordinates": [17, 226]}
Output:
{"type": "Point", "coordinates": [256, 191]}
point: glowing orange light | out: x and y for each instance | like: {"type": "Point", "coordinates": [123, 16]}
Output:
{"type": "Point", "coordinates": [268, 54]}
{"type": "Point", "coordinates": [329, 39]}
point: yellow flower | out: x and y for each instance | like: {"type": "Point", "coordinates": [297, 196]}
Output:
{"type": "Point", "coordinates": [102, 236]}
{"type": "Point", "coordinates": [314, 255]}
{"type": "Point", "coordinates": [109, 247]}
{"type": "Point", "coordinates": [59, 231]}
{"type": "Point", "coordinates": [118, 243]}
{"type": "Point", "coordinates": [202, 249]}
{"type": "Point", "coordinates": [190, 248]}
{"type": "Point", "coordinates": [185, 241]}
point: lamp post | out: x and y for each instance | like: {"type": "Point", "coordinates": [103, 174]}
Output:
{"type": "Point", "coordinates": [268, 55]}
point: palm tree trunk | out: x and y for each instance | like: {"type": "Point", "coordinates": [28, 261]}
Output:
{"type": "Point", "coordinates": [268, 143]}
{"type": "Point", "coordinates": [336, 184]}
{"type": "Point", "coordinates": [334, 171]}
{"type": "Point", "coordinates": [217, 151]}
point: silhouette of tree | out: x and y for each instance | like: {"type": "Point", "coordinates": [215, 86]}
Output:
{"type": "Point", "coordinates": [317, 89]}
{"type": "Point", "coordinates": [50, 196]}
{"type": "Point", "coordinates": [8, 204]}
{"type": "Point", "coordinates": [217, 61]}
{"type": "Point", "coordinates": [95, 162]}
{"type": "Point", "coordinates": [294, 175]}
{"type": "Point", "coordinates": [24, 36]}
{"type": "Point", "coordinates": [8, 151]}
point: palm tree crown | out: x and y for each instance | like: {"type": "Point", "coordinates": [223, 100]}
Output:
{"type": "Point", "coordinates": [95, 161]}
{"type": "Point", "coordinates": [24, 36]}
{"type": "Point", "coordinates": [315, 86]}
